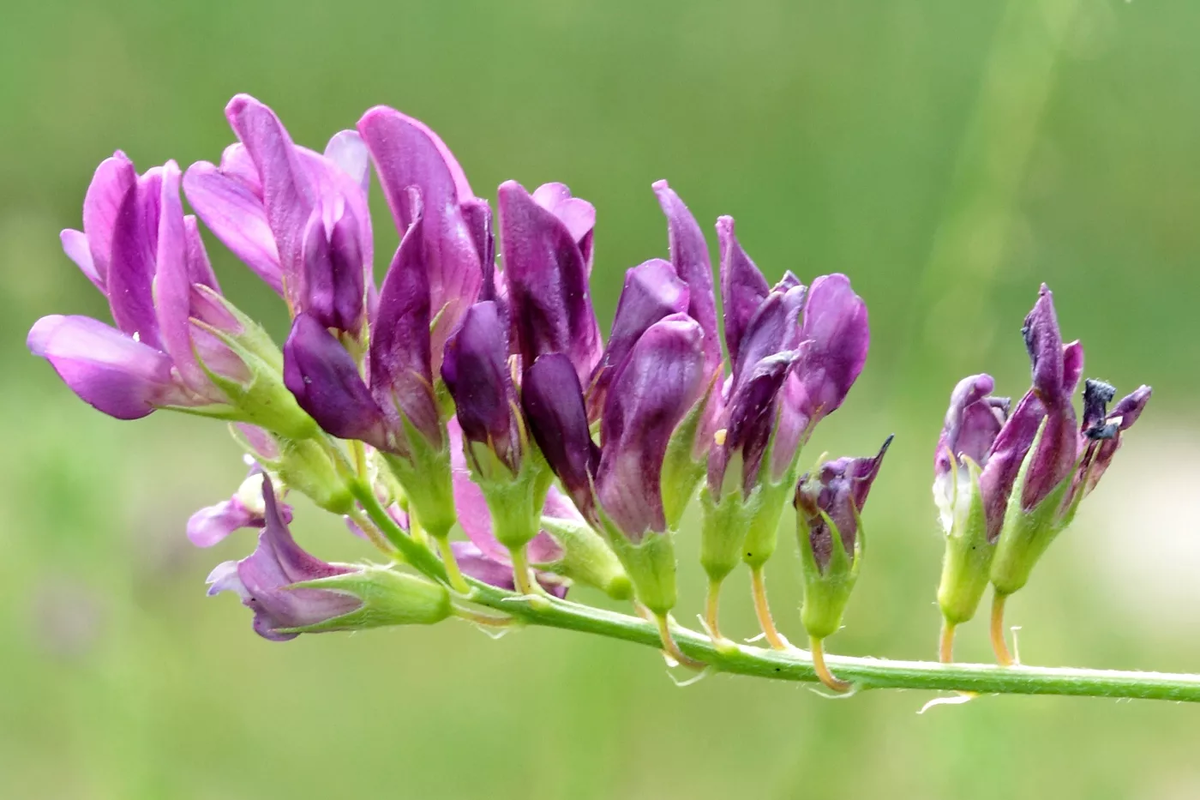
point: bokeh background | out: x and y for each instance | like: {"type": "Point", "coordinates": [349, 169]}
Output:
{"type": "Point", "coordinates": [948, 156]}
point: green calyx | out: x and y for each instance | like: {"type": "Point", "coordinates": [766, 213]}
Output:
{"type": "Point", "coordinates": [388, 598]}
{"type": "Point", "coordinates": [650, 565]}
{"type": "Point", "coordinates": [515, 501]}
{"type": "Point", "coordinates": [1028, 533]}
{"type": "Point", "coordinates": [306, 466]}
{"type": "Point", "coordinates": [425, 478]}
{"type": "Point", "coordinates": [827, 590]}
{"type": "Point", "coordinates": [968, 557]}
{"type": "Point", "coordinates": [586, 558]}
{"type": "Point", "coordinates": [263, 399]}
{"type": "Point", "coordinates": [681, 471]}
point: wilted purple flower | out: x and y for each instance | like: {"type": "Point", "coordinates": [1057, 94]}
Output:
{"type": "Point", "coordinates": [1100, 436]}
{"type": "Point", "coordinates": [831, 500]}
{"type": "Point", "coordinates": [546, 277]}
{"type": "Point", "coordinates": [325, 378]}
{"type": "Point", "coordinates": [265, 581]}
{"type": "Point", "coordinates": [140, 250]}
{"type": "Point", "coordinates": [476, 372]}
{"type": "Point", "coordinates": [299, 219]}
{"type": "Point", "coordinates": [456, 248]}
{"type": "Point", "coordinates": [652, 391]}
{"type": "Point", "coordinates": [245, 509]}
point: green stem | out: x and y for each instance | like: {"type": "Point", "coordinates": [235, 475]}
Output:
{"type": "Point", "coordinates": [797, 665]}
{"type": "Point", "coordinates": [863, 673]}
{"type": "Point", "coordinates": [414, 553]}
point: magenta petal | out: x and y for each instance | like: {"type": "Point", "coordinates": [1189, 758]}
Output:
{"type": "Point", "coordinates": [658, 384]}
{"type": "Point", "coordinates": [211, 524]}
{"type": "Point", "coordinates": [547, 280]}
{"type": "Point", "coordinates": [972, 423]}
{"type": "Point", "coordinates": [325, 381]}
{"type": "Point", "coordinates": [235, 214]}
{"type": "Point", "coordinates": [407, 154]}
{"type": "Point", "coordinates": [130, 276]}
{"type": "Point", "coordinates": [172, 280]}
{"type": "Point", "coordinates": [114, 178]}
{"type": "Point", "coordinates": [199, 267]}
{"type": "Point", "coordinates": [286, 191]}
{"type": "Point", "coordinates": [107, 369]}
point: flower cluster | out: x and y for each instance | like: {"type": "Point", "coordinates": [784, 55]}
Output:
{"type": "Point", "coordinates": [1008, 480]}
{"type": "Point", "coordinates": [459, 396]}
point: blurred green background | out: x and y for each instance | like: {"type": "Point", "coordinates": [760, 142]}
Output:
{"type": "Point", "coordinates": [948, 156]}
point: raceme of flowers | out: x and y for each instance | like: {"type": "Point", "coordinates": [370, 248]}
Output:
{"type": "Point", "coordinates": [472, 391]}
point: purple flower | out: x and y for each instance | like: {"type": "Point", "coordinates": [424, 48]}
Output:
{"type": "Point", "coordinates": [831, 500]}
{"type": "Point", "coordinates": [456, 248]}
{"type": "Point", "coordinates": [245, 509]}
{"type": "Point", "coordinates": [476, 372]}
{"type": "Point", "coordinates": [796, 352]}
{"type": "Point", "coordinates": [972, 423]}
{"type": "Point", "coordinates": [1101, 431]}
{"type": "Point", "coordinates": [299, 219]}
{"type": "Point", "coordinates": [265, 581]}
{"type": "Point", "coordinates": [546, 277]}
{"type": "Point", "coordinates": [651, 392]}
{"type": "Point", "coordinates": [147, 258]}
{"type": "Point", "coordinates": [326, 381]}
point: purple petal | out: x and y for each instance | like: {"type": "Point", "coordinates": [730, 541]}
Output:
{"type": "Point", "coordinates": [1004, 461]}
{"type": "Point", "coordinates": [107, 369]}
{"type": "Point", "coordinates": [267, 575]}
{"type": "Point", "coordinates": [325, 380]}
{"type": "Point", "coordinates": [114, 179]}
{"type": "Point", "coordinates": [773, 328]}
{"type": "Point", "coordinates": [836, 327]}
{"type": "Point", "coordinates": [972, 423]}
{"type": "Point", "coordinates": [211, 524]}
{"type": "Point", "coordinates": [235, 214]}
{"type": "Point", "coordinates": [173, 280]}
{"type": "Point", "coordinates": [75, 245]}
{"type": "Point", "coordinates": [689, 255]}
{"type": "Point", "coordinates": [406, 154]}
{"type": "Point", "coordinates": [477, 215]}
{"type": "Point", "coordinates": [237, 163]}
{"type": "Point", "coordinates": [287, 194]}
{"type": "Point", "coordinates": [198, 266]}
{"type": "Point", "coordinates": [495, 572]}
{"type": "Point", "coordinates": [547, 279]}
{"type": "Point", "coordinates": [130, 275]}
{"type": "Point", "coordinates": [658, 384]}
{"type": "Point", "coordinates": [1058, 449]}
{"type": "Point", "coordinates": [334, 285]}
{"type": "Point", "coordinates": [1103, 436]}
{"type": "Point", "coordinates": [839, 489]}
{"type": "Point", "coordinates": [743, 287]}
{"type": "Point", "coordinates": [652, 291]}
{"type": "Point", "coordinates": [752, 411]}
{"type": "Point", "coordinates": [576, 213]}
{"type": "Point", "coordinates": [553, 403]}
{"type": "Point", "coordinates": [476, 373]}
{"type": "Point", "coordinates": [401, 352]}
